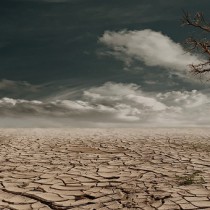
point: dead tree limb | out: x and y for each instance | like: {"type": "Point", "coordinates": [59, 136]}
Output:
{"type": "Point", "coordinates": [199, 45]}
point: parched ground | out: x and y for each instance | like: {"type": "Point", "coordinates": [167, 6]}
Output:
{"type": "Point", "coordinates": [104, 169]}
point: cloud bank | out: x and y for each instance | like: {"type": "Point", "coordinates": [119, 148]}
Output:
{"type": "Point", "coordinates": [151, 47]}
{"type": "Point", "coordinates": [115, 104]}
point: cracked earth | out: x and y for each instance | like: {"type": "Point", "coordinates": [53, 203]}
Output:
{"type": "Point", "coordinates": [103, 169]}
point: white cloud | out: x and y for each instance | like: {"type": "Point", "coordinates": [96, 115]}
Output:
{"type": "Point", "coordinates": [151, 47]}
{"type": "Point", "coordinates": [111, 104]}
{"type": "Point", "coordinates": [183, 99]}
{"type": "Point", "coordinates": [114, 93]}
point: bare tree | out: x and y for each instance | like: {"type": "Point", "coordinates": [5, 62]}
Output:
{"type": "Point", "coordinates": [201, 44]}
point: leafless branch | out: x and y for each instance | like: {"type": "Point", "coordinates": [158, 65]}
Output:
{"type": "Point", "coordinates": [200, 68]}
{"type": "Point", "coordinates": [202, 45]}
{"type": "Point", "coordinates": [197, 21]}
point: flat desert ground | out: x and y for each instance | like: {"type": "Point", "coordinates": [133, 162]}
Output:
{"type": "Point", "coordinates": [105, 169]}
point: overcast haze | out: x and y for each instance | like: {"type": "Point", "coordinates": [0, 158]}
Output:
{"type": "Point", "coordinates": [96, 63]}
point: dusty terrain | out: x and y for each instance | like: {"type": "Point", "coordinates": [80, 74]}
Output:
{"type": "Point", "coordinates": [104, 169]}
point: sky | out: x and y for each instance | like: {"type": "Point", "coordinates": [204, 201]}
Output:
{"type": "Point", "coordinates": [96, 63]}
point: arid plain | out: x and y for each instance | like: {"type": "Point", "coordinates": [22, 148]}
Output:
{"type": "Point", "coordinates": [103, 169]}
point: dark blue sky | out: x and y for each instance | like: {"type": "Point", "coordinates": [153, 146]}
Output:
{"type": "Point", "coordinates": [43, 41]}
{"type": "Point", "coordinates": [104, 60]}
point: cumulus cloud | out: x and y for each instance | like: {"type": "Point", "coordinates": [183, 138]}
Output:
{"type": "Point", "coordinates": [151, 47]}
{"type": "Point", "coordinates": [116, 93]}
{"type": "Point", "coordinates": [113, 104]}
